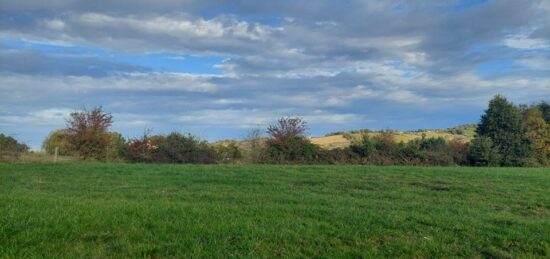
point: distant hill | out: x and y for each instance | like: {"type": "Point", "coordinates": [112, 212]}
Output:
{"type": "Point", "coordinates": [344, 139]}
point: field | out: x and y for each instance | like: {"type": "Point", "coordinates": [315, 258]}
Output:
{"type": "Point", "coordinates": [345, 140]}
{"type": "Point", "coordinates": [120, 210]}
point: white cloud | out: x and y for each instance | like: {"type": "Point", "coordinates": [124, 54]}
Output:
{"type": "Point", "coordinates": [522, 41]}
{"type": "Point", "coordinates": [129, 82]}
{"type": "Point", "coordinates": [46, 117]}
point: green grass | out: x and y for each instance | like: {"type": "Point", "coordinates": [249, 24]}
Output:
{"type": "Point", "coordinates": [118, 210]}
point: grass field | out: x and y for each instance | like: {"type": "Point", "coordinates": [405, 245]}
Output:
{"type": "Point", "coordinates": [118, 210]}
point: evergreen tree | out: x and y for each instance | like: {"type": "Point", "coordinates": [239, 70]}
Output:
{"type": "Point", "coordinates": [482, 152]}
{"type": "Point", "coordinates": [502, 124]}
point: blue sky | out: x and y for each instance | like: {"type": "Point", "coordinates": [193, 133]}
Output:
{"type": "Point", "coordinates": [219, 69]}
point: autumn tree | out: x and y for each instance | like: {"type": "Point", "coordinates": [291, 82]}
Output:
{"type": "Point", "coordinates": [537, 131]}
{"type": "Point", "coordinates": [58, 139]}
{"type": "Point", "coordinates": [87, 131]}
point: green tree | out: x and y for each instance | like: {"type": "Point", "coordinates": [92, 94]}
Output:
{"type": "Point", "coordinates": [58, 138]}
{"type": "Point", "coordinates": [537, 132]}
{"type": "Point", "coordinates": [10, 147]}
{"type": "Point", "coordinates": [545, 109]}
{"type": "Point", "coordinates": [482, 152]}
{"type": "Point", "coordinates": [502, 124]}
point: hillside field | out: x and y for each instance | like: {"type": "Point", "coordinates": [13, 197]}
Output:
{"type": "Point", "coordinates": [346, 139]}
{"type": "Point", "coordinates": [122, 210]}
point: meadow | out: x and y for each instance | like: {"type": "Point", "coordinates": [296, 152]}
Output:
{"type": "Point", "coordinates": [135, 210]}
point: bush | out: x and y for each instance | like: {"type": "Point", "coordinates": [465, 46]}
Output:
{"type": "Point", "coordinates": [339, 156]}
{"type": "Point", "coordinates": [294, 149]}
{"type": "Point", "coordinates": [288, 142]}
{"type": "Point", "coordinates": [143, 149]}
{"type": "Point", "coordinates": [365, 147]}
{"type": "Point", "coordinates": [174, 148]}
{"type": "Point", "coordinates": [228, 153]}
{"type": "Point", "coordinates": [10, 148]}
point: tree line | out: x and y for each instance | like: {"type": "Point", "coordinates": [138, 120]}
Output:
{"type": "Point", "coordinates": [507, 135]}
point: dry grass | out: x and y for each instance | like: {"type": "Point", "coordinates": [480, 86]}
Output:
{"type": "Point", "coordinates": [340, 141]}
{"type": "Point", "coordinates": [35, 157]}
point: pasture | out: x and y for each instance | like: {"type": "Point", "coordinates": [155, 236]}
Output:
{"type": "Point", "coordinates": [132, 210]}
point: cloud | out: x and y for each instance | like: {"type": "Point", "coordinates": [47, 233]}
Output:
{"type": "Point", "coordinates": [523, 41]}
{"type": "Point", "coordinates": [46, 117]}
{"type": "Point", "coordinates": [373, 64]}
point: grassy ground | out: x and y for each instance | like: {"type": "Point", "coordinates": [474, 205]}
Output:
{"type": "Point", "coordinates": [117, 210]}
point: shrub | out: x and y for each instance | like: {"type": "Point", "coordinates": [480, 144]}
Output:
{"type": "Point", "coordinates": [185, 148]}
{"type": "Point", "coordinates": [143, 149]}
{"type": "Point", "coordinates": [173, 148]}
{"type": "Point", "coordinates": [11, 148]}
{"type": "Point", "coordinates": [227, 153]}
{"type": "Point", "coordinates": [288, 142]}
{"type": "Point", "coordinates": [365, 147]}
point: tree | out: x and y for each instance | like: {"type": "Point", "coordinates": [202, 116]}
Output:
{"type": "Point", "coordinates": [58, 139]}
{"type": "Point", "coordinates": [10, 147]}
{"type": "Point", "coordinates": [538, 133]}
{"type": "Point", "coordinates": [288, 141]}
{"type": "Point", "coordinates": [287, 128]}
{"type": "Point", "coordinates": [502, 124]}
{"type": "Point", "coordinates": [482, 152]}
{"type": "Point", "coordinates": [87, 131]}
{"type": "Point", "coordinates": [545, 109]}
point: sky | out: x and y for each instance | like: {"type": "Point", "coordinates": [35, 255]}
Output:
{"type": "Point", "coordinates": [218, 69]}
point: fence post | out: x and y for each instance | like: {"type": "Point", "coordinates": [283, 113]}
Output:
{"type": "Point", "coordinates": [55, 154]}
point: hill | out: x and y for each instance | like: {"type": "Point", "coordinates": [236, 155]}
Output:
{"type": "Point", "coordinates": [463, 133]}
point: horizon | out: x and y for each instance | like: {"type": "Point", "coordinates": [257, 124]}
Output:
{"type": "Point", "coordinates": [217, 70]}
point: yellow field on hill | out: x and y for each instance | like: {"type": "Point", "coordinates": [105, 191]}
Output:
{"type": "Point", "coordinates": [340, 141]}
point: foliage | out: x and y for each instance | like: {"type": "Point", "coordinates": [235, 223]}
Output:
{"type": "Point", "coordinates": [87, 131]}
{"type": "Point", "coordinates": [502, 124]}
{"type": "Point", "coordinates": [173, 148]}
{"type": "Point", "coordinates": [288, 142]}
{"type": "Point", "coordinates": [10, 147]}
{"type": "Point", "coordinates": [228, 153]}
{"type": "Point", "coordinates": [142, 149]}
{"type": "Point", "coordinates": [483, 153]}
{"type": "Point", "coordinates": [58, 138]}
{"type": "Point", "coordinates": [366, 147]}
{"type": "Point", "coordinates": [184, 148]}
{"type": "Point", "coordinates": [538, 133]}
{"type": "Point", "coordinates": [254, 149]}
{"type": "Point", "coordinates": [545, 109]}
